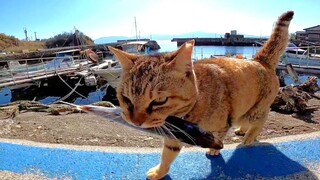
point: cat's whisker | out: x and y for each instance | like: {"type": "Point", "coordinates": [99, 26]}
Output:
{"type": "Point", "coordinates": [171, 128]}
{"type": "Point", "coordinates": [167, 134]}
{"type": "Point", "coordinates": [169, 131]}
{"type": "Point", "coordinates": [182, 131]}
{"type": "Point", "coordinates": [161, 132]}
{"type": "Point", "coordinates": [158, 131]}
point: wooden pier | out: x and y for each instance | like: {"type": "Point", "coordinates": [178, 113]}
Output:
{"type": "Point", "coordinates": [19, 73]}
{"type": "Point", "coordinates": [19, 79]}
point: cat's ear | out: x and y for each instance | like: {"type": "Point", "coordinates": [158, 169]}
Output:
{"type": "Point", "coordinates": [182, 58]}
{"type": "Point", "coordinates": [126, 59]}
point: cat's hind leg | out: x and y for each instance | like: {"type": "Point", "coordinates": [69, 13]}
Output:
{"type": "Point", "coordinates": [170, 151]}
{"type": "Point", "coordinates": [256, 121]}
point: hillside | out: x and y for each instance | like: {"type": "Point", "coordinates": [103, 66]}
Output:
{"type": "Point", "coordinates": [8, 41]}
{"type": "Point", "coordinates": [12, 44]}
{"type": "Point", "coordinates": [17, 49]}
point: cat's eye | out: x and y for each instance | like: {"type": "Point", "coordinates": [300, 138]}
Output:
{"type": "Point", "coordinates": [128, 102]}
{"type": "Point", "coordinates": [159, 101]}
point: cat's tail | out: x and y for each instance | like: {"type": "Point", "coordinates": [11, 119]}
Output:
{"type": "Point", "coordinates": [272, 50]}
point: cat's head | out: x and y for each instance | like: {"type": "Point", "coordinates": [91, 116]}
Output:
{"type": "Point", "coordinates": [156, 86]}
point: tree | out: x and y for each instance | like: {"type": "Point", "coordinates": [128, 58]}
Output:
{"type": "Point", "coordinates": [69, 39]}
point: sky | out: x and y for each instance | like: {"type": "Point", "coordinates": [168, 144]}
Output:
{"type": "Point", "coordinates": [102, 18]}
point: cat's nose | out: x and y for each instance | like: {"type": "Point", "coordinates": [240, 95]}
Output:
{"type": "Point", "coordinates": [139, 118]}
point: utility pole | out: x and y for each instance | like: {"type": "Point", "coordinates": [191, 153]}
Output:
{"type": "Point", "coordinates": [35, 36]}
{"type": "Point", "coordinates": [26, 33]}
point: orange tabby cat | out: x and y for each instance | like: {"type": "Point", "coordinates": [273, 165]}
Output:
{"type": "Point", "coordinates": [214, 93]}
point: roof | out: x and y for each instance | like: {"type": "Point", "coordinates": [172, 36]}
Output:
{"type": "Point", "coordinates": [313, 28]}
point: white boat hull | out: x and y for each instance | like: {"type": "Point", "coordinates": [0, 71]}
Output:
{"type": "Point", "coordinates": [112, 75]}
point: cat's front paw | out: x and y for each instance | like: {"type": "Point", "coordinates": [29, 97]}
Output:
{"type": "Point", "coordinates": [213, 152]}
{"type": "Point", "coordinates": [157, 173]}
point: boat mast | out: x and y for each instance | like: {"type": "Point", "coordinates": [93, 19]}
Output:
{"type": "Point", "coordinates": [135, 24]}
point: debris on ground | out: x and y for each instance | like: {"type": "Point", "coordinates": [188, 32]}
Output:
{"type": "Point", "coordinates": [294, 99]}
{"type": "Point", "coordinates": [12, 109]}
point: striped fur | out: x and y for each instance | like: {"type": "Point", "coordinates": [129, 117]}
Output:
{"type": "Point", "coordinates": [214, 93]}
{"type": "Point", "coordinates": [272, 50]}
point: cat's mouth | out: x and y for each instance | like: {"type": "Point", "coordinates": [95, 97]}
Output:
{"type": "Point", "coordinates": [151, 124]}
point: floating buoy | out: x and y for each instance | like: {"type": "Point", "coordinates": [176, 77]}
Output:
{"type": "Point", "coordinates": [239, 56]}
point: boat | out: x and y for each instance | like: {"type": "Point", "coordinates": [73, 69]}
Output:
{"type": "Point", "coordinates": [303, 56]}
{"type": "Point", "coordinates": [136, 47]}
{"type": "Point", "coordinates": [111, 73]}
{"type": "Point", "coordinates": [294, 51]}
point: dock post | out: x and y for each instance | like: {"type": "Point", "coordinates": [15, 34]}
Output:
{"type": "Point", "coordinates": [44, 67]}
{"type": "Point", "coordinates": [253, 50]}
{"type": "Point", "coordinates": [8, 63]}
{"type": "Point", "coordinates": [27, 68]}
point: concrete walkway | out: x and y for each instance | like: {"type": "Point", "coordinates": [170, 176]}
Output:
{"type": "Point", "coordinates": [287, 157]}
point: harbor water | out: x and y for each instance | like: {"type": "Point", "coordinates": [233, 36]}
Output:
{"type": "Point", "coordinates": [200, 52]}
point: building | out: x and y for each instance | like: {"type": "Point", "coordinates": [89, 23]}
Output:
{"type": "Point", "coordinates": [312, 34]}
{"type": "Point", "coordinates": [233, 35]}
{"type": "Point", "coordinates": [301, 35]}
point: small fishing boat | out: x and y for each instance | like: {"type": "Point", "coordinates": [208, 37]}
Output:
{"type": "Point", "coordinates": [112, 72]}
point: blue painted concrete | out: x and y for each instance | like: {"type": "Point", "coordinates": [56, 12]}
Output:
{"type": "Point", "coordinates": [262, 161]}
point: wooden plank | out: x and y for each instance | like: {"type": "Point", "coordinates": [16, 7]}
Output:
{"type": "Point", "coordinates": [26, 79]}
{"type": "Point", "coordinates": [302, 69]}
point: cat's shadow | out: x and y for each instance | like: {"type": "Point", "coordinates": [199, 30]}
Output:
{"type": "Point", "coordinates": [250, 162]}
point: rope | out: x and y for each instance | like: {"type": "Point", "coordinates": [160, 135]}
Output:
{"type": "Point", "coordinates": [72, 90]}
{"type": "Point", "coordinates": [71, 87]}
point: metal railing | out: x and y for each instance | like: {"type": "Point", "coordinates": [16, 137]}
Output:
{"type": "Point", "coordinates": [309, 58]}
{"type": "Point", "coordinates": [13, 72]}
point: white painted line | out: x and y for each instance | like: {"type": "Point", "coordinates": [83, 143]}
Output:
{"type": "Point", "coordinates": [276, 140]}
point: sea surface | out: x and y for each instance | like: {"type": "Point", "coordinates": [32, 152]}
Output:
{"type": "Point", "coordinates": [166, 46]}
{"type": "Point", "coordinates": [201, 52]}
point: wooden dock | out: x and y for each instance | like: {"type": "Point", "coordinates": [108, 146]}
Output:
{"type": "Point", "coordinates": [19, 73]}
{"type": "Point", "coordinates": [25, 78]}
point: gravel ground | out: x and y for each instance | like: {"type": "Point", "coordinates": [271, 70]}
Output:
{"type": "Point", "coordinates": [87, 129]}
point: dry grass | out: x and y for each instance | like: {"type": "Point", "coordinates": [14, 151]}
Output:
{"type": "Point", "coordinates": [30, 46]}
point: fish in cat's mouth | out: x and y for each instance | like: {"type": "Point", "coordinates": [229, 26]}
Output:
{"type": "Point", "coordinates": [173, 127]}
{"type": "Point", "coordinates": [146, 124]}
